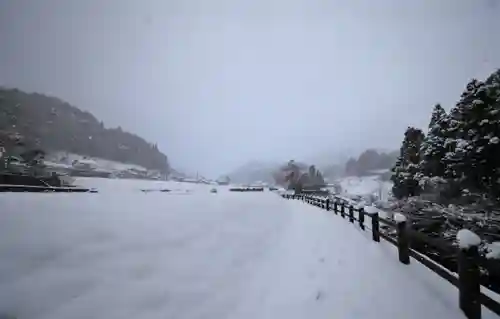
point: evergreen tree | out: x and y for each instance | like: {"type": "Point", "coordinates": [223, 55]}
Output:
{"type": "Point", "coordinates": [404, 172]}
{"type": "Point", "coordinates": [474, 144]}
{"type": "Point", "coordinates": [433, 146]}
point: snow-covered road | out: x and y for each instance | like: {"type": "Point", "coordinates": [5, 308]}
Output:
{"type": "Point", "coordinates": [129, 254]}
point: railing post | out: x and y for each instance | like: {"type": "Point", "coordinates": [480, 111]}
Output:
{"type": "Point", "coordinates": [468, 278]}
{"type": "Point", "coordinates": [342, 210]}
{"type": "Point", "coordinates": [351, 213]}
{"type": "Point", "coordinates": [375, 227]}
{"type": "Point", "coordinates": [335, 207]}
{"type": "Point", "coordinates": [403, 242]}
{"type": "Point", "coordinates": [327, 204]}
{"type": "Point", "coordinates": [361, 217]}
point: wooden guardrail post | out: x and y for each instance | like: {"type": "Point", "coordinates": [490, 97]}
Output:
{"type": "Point", "coordinates": [342, 210]}
{"type": "Point", "coordinates": [335, 207]}
{"type": "Point", "coordinates": [327, 204]}
{"type": "Point", "coordinates": [361, 218]}
{"type": "Point", "coordinates": [351, 213]}
{"type": "Point", "coordinates": [403, 240]}
{"type": "Point", "coordinates": [375, 227]}
{"type": "Point", "coordinates": [468, 274]}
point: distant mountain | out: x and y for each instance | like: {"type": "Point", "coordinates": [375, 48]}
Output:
{"type": "Point", "coordinates": [254, 171]}
{"type": "Point", "coordinates": [334, 156]}
{"type": "Point", "coordinates": [370, 161]}
{"type": "Point", "coordinates": [336, 163]}
{"type": "Point", "coordinates": [49, 124]}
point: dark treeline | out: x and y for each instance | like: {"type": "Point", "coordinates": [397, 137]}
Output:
{"type": "Point", "coordinates": [458, 158]}
{"type": "Point", "coordinates": [50, 124]}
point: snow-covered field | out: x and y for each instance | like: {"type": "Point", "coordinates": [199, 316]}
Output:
{"type": "Point", "coordinates": [108, 185]}
{"type": "Point", "coordinates": [123, 253]}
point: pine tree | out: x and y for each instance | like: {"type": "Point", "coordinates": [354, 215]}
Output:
{"type": "Point", "coordinates": [404, 172]}
{"type": "Point", "coordinates": [474, 143]}
{"type": "Point", "coordinates": [433, 146]}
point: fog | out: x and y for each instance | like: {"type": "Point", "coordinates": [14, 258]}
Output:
{"type": "Point", "coordinates": [217, 83]}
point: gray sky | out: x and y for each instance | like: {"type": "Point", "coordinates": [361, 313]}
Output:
{"type": "Point", "coordinates": [220, 82]}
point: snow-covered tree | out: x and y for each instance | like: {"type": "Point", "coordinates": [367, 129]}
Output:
{"type": "Point", "coordinates": [433, 146]}
{"type": "Point", "coordinates": [404, 172]}
{"type": "Point", "coordinates": [474, 137]}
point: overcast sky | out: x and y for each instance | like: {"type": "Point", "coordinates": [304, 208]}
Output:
{"type": "Point", "coordinates": [217, 83]}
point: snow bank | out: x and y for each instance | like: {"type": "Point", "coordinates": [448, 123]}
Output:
{"type": "Point", "coordinates": [399, 218]}
{"type": "Point", "coordinates": [467, 239]}
{"type": "Point", "coordinates": [493, 251]}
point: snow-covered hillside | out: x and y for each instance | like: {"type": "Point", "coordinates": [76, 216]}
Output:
{"type": "Point", "coordinates": [124, 253]}
{"type": "Point", "coordinates": [98, 163]}
{"type": "Point", "coordinates": [365, 186]}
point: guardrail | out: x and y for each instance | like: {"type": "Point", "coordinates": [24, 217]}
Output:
{"type": "Point", "coordinates": [43, 189]}
{"type": "Point", "coordinates": [467, 280]}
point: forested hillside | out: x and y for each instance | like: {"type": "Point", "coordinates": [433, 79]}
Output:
{"type": "Point", "coordinates": [369, 161]}
{"type": "Point", "coordinates": [54, 125]}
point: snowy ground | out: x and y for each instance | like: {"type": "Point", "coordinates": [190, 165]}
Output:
{"type": "Point", "coordinates": [122, 253]}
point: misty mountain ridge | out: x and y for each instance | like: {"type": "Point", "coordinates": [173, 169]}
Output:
{"type": "Point", "coordinates": [254, 171]}
{"type": "Point", "coordinates": [340, 156]}
{"type": "Point", "coordinates": [50, 124]}
{"type": "Point", "coordinates": [331, 164]}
